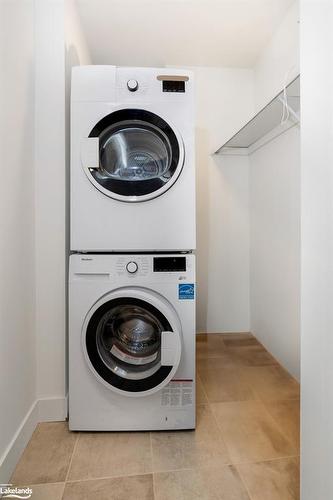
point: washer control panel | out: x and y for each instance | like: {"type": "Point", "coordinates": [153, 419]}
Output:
{"type": "Point", "coordinates": [132, 265]}
{"type": "Point", "coordinates": [169, 264]}
{"type": "Point", "coordinates": [128, 268]}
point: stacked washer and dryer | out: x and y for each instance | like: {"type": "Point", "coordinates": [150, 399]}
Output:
{"type": "Point", "coordinates": [132, 266]}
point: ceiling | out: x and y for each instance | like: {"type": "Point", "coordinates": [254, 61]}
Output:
{"type": "Point", "coordinates": [179, 32]}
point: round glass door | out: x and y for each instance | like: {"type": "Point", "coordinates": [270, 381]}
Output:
{"type": "Point", "coordinates": [140, 156]}
{"type": "Point", "coordinates": [124, 338]}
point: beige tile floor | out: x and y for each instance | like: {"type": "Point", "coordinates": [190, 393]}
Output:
{"type": "Point", "coordinates": [245, 447]}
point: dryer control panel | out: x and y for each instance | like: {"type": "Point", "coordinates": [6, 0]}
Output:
{"type": "Point", "coordinates": [173, 85]}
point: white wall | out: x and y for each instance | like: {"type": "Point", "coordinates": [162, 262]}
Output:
{"type": "Point", "coordinates": [275, 247]}
{"type": "Point", "coordinates": [279, 62]}
{"type": "Point", "coordinates": [76, 53]}
{"type": "Point", "coordinates": [317, 248]}
{"type": "Point", "coordinates": [275, 210]}
{"type": "Point", "coordinates": [33, 225]}
{"type": "Point", "coordinates": [50, 199]}
{"type": "Point", "coordinates": [224, 100]}
{"type": "Point", "coordinates": [60, 44]}
{"type": "Point", "coordinates": [17, 294]}
{"type": "Point", "coordinates": [77, 50]}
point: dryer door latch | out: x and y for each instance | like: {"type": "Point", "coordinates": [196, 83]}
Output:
{"type": "Point", "coordinates": [90, 152]}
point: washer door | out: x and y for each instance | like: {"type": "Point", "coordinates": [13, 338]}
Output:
{"type": "Point", "coordinates": [131, 340]}
{"type": "Point", "coordinates": [138, 156]}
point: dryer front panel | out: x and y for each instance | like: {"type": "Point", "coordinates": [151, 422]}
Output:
{"type": "Point", "coordinates": [132, 155]}
{"type": "Point", "coordinates": [130, 342]}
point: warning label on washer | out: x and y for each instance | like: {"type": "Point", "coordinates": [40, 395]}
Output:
{"type": "Point", "coordinates": [177, 394]}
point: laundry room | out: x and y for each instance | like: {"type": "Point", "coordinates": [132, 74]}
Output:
{"type": "Point", "coordinates": [165, 250]}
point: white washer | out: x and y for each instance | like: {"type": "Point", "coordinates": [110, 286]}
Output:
{"type": "Point", "coordinates": [132, 342]}
{"type": "Point", "coordinates": [132, 159]}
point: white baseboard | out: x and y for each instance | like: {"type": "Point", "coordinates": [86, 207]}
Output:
{"type": "Point", "coordinates": [52, 409]}
{"type": "Point", "coordinates": [18, 443]}
{"type": "Point", "coordinates": [42, 410]}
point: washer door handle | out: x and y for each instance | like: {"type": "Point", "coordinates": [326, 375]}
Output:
{"type": "Point", "coordinates": [169, 348]}
{"type": "Point", "coordinates": [90, 152]}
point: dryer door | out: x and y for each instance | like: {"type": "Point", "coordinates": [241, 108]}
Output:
{"type": "Point", "coordinates": [138, 155]}
{"type": "Point", "coordinates": [132, 341]}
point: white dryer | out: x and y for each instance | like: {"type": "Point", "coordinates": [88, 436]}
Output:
{"type": "Point", "coordinates": [132, 159]}
{"type": "Point", "coordinates": [132, 342]}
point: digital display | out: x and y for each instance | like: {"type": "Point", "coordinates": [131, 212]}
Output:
{"type": "Point", "coordinates": [169, 264]}
{"type": "Point", "coordinates": [173, 86]}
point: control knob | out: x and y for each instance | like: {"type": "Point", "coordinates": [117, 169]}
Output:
{"type": "Point", "coordinates": [132, 267]}
{"type": "Point", "coordinates": [132, 85]}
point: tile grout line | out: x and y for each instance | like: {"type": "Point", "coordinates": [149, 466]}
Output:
{"type": "Point", "coordinates": [221, 434]}
{"type": "Point", "coordinates": [248, 386]}
{"type": "Point", "coordinates": [203, 388]}
{"type": "Point", "coordinates": [244, 483]}
{"type": "Point", "coordinates": [72, 457]}
{"type": "Point", "coordinates": [279, 400]}
{"type": "Point", "coordinates": [252, 461]}
{"type": "Point", "coordinates": [238, 466]}
{"type": "Point", "coordinates": [152, 464]}
{"type": "Point", "coordinates": [265, 460]}
{"type": "Point", "coordinates": [162, 471]}
{"type": "Point", "coordinates": [215, 420]}
{"type": "Point", "coordinates": [220, 428]}
{"type": "Point", "coordinates": [101, 478]}
{"type": "Point", "coordinates": [280, 427]}
{"type": "Point", "coordinates": [48, 484]}
{"type": "Point", "coordinates": [63, 491]}
{"type": "Point", "coordinates": [235, 464]}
